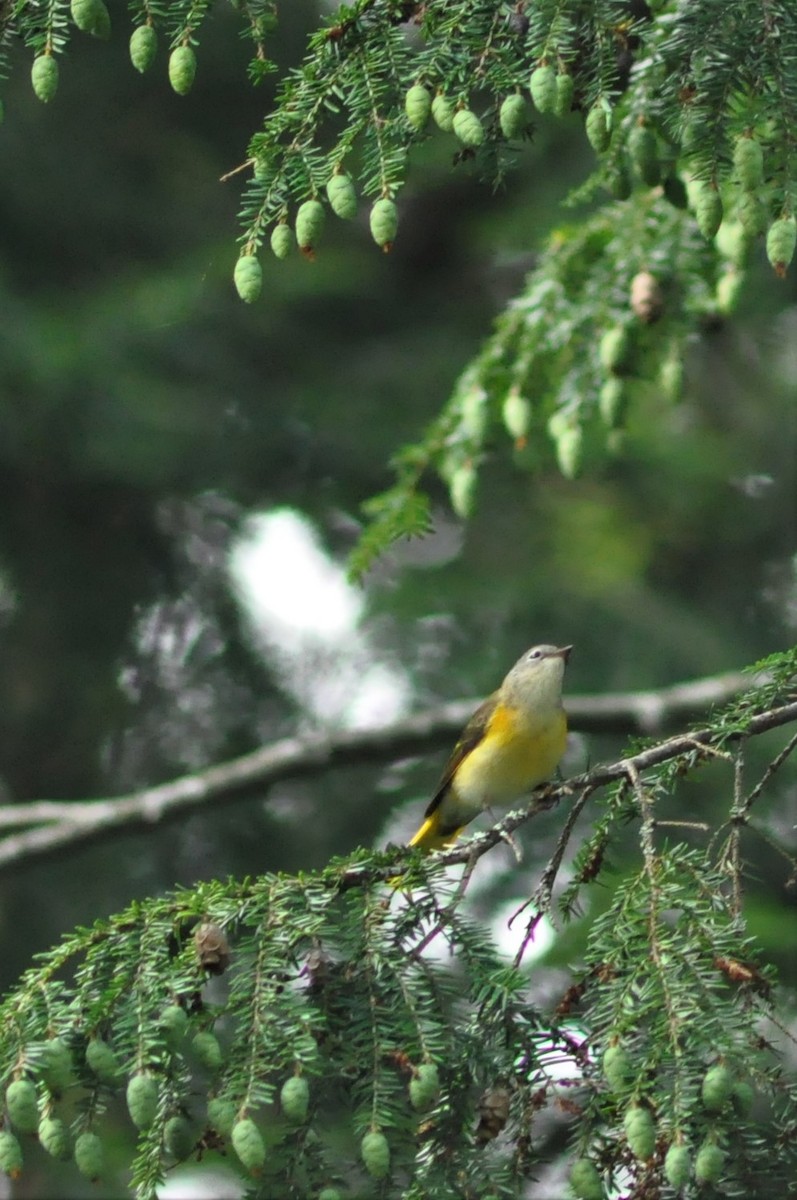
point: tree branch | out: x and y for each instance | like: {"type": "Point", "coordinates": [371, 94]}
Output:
{"type": "Point", "coordinates": [64, 824]}
{"type": "Point", "coordinates": [701, 743]}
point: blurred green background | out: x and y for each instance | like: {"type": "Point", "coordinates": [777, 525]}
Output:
{"type": "Point", "coordinates": [181, 479]}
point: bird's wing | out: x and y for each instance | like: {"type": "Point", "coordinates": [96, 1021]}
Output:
{"type": "Point", "coordinates": [472, 734]}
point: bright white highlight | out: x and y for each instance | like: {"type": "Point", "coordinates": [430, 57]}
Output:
{"type": "Point", "coordinates": [186, 1183]}
{"type": "Point", "coordinates": [509, 940]}
{"type": "Point", "coordinates": [308, 619]}
{"type": "Point", "coordinates": [288, 583]}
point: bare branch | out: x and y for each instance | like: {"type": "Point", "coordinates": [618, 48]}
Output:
{"type": "Point", "coordinates": [654, 712]}
{"type": "Point", "coordinates": [543, 894]}
{"type": "Point", "coordinates": [65, 824]}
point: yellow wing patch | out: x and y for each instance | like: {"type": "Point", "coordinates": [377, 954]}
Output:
{"type": "Point", "coordinates": [503, 723]}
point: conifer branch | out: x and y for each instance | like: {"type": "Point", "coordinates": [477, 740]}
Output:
{"type": "Point", "coordinates": [328, 980]}
{"type": "Point", "coordinates": [685, 747]}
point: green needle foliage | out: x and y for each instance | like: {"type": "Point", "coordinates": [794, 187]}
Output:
{"type": "Point", "coordinates": [691, 110]}
{"type": "Point", "coordinates": [346, 1029]}
{"type": "Point", "coordinates": [325, 985]}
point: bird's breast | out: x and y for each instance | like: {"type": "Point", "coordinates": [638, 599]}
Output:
{"type": "Point", "coordinates": [515, 755]}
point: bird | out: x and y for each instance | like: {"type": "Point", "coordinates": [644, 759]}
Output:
{"type": "Point", "coordinates": [513, 742]}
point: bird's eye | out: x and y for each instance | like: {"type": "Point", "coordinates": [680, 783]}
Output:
{"type": "Point", "coordinates": [535, 654]}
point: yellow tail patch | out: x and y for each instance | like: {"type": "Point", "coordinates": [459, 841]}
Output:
{"type": "Point", "coordinates": [429, 836]}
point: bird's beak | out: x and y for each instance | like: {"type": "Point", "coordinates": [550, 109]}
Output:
{"type": "Point", "coordinates": [562, 652]}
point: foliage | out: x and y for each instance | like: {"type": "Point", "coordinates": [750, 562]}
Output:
{"type": "Point", "coordinates": [325, 984]}
{"type": "Point", "coordinates": [402, 1020]}
{"type": "Point", "coordinates": [691, 108]}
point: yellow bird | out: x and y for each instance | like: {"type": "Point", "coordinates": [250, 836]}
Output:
{"type": "Point", "coordinates": [513, 742]}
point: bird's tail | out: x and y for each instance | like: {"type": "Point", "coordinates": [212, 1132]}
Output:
{"type": "Point", "coordinates": [431, 837]}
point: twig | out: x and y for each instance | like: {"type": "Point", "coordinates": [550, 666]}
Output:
{"type": "Point", "coordinates": [626, 712]}
{"type": "Point", "coordinates": [740, 816]}
{"type": "Point", "coordinates": [648, 821]}
{"type": "Point", "coordinates": [553, 794]}
{"type": "Point", "coordinates": [250, 162]}
{"type": "Point", "coordinates": [448, 911]}
{"type": "Point", "coordinates": [541, 900]}
{"type": "Point", "coordinates": [774, 766]}
{"type": "Point", "coordinates": [75, 823]}
{"type": "Point", "coordinates": [738, 819]}
{"type": "Point", "coordinates": [700, 826]}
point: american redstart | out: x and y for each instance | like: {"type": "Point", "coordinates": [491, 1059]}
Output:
{"type": "Point", "coordinates": [513, 742]}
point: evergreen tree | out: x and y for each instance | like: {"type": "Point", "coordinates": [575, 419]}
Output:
{"type": "Point", "coordinates": [338, 1033]}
